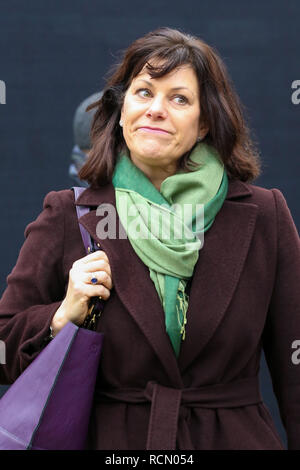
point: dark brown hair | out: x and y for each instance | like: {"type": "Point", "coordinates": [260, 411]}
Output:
{"type": "Point", "coordinates": [220, 106]}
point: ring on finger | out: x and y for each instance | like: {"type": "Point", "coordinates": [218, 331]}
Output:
{"type": "Point", "coordinates": [94, 279]}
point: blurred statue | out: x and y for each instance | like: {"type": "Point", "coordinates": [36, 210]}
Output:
{"type": "Point", "coordinates": [81, 128]}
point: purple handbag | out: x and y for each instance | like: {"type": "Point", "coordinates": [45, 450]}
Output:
{"type": "Point", "coordinates": [48, 407]}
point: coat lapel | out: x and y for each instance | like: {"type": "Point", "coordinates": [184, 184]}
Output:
{"type": "Point", "coordinates": [215, 278]}
{"type": "Point", "coordinates": [218, 270]}
{"type": "Point", "coordinates": [131, 280]}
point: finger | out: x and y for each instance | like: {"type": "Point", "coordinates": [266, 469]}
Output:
{"type": "Point", "coordinates": [96, 291]}
{"type": "Point", "coordinates": [100, 265]}
{"type": "Point", "coordinates": [102, 276]}
{"type": "Point", "coordinates": [99, 254]}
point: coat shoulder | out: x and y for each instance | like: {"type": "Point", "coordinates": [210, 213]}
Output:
{"type": "Point", "coordinates": [56, 205]}
{"type": "Point", "coordinates": [253, 194]}
{"type": "Point", "coordinates": [65, 196]}
{"type": "Point", "coordinates": [257, 194]}
{"type": "Point", "coordinates": [270, 202]}
{"type": "Point", "coordinates": [260, 193]}
{"type": "Point", "coordinates": [62, 200]}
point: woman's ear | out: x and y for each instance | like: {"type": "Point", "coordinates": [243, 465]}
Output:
{"type": "Point", "coordinates": [203, 131]}
{"type": "Point", "coordinates": [122, 116]}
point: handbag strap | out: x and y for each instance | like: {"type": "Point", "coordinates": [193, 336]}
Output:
{"type": "Point", "coordinates": [82, 210]}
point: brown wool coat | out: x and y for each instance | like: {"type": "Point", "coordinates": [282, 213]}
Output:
{"type": "Point", "coordinates": [244, 296]}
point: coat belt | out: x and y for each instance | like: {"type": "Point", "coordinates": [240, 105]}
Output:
{"type": "Point", "coordinates": [170, 407]}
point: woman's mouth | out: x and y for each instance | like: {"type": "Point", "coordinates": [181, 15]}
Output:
{"type": "Point", "coordinates": [154, 130]}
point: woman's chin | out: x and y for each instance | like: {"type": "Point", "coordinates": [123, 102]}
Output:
{"type": "Point", "coordinates": [153, 151]}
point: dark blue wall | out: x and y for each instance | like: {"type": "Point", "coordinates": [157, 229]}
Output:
{"type": "Point", "coordinates": [54, 54]}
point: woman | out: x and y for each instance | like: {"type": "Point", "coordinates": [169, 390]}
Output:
{"type": "Point", "coordinates": [186, 317]}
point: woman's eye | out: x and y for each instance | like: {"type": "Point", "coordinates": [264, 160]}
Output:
{"type": "Point", "coordinates": [143, 92]}
{"type": "Point", "coordinates": [182, 99]}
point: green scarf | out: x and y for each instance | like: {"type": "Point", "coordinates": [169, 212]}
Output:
{"type": "Point", "coordinates": [166, 227]}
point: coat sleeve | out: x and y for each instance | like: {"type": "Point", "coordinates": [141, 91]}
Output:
{"type": "Point", "coordinates": [282, 328]}
{"type": "Point", "coordinates": [35, 289]}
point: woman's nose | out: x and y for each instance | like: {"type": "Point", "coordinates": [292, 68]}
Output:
{"type": "Point", "coordinates": [157, 109]}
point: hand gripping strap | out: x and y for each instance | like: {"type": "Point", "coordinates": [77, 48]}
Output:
{"type": "Point", "coordinates": [89, 245]}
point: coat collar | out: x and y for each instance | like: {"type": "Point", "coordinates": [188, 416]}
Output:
{"type": "Point", "coordinates": [218, 265]}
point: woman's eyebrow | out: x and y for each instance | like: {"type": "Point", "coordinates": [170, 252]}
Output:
{"type": "Point", "coordinates": [174, 88]}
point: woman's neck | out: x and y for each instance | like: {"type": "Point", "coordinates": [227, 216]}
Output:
{"type": "Point", "coordinates": [156, 174]}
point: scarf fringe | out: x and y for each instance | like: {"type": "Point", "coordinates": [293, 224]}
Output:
{"type": "Point", "coordinates": [182, 302]}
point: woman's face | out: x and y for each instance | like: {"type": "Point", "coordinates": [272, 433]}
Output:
{"type": "Point", "coordinates": [170, 106]}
